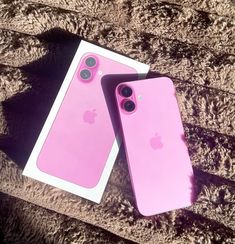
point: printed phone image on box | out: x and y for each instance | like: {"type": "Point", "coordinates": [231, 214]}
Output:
{"type": "Point", "coordinates": [77, 146]}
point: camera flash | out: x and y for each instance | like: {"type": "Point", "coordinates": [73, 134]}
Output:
{"type": "Point", "coordinates": [139, 97]}
{"type": "Point", "coordinates": [100, 72]}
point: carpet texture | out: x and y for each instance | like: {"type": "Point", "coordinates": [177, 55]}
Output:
{"type": "Point", "coordinates": [193, 42]}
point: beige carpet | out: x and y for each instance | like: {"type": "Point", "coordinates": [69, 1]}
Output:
{"type": "Point", "coordinates": [191, 41]}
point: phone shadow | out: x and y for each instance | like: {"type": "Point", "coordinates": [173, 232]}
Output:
{"type": "Point", "coordinates": [109, 84]}
{"type": "Point", "coordinates": [25, 113]}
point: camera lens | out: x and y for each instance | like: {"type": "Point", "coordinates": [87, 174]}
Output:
{"type": "Point", "coordinates": [126, 91]}
{"type": "Point", "coordinates": [85, 74]}
{"type": "Point", "coordinates": [129, 106]}
{"type": "Point", "coordinates": [90, 62]}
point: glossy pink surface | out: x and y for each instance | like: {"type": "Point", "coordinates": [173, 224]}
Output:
{"type": "Point", "coordinates": [157, 155]}
{"type": "Point", "coordinates": [81, 137]}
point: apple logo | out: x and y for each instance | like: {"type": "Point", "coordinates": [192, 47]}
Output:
{"type": "Point", "coordinates": [89, 116]}
{"type": "Point", "coordinates": [155, 142]}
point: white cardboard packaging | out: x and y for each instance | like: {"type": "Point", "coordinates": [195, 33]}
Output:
{"type": "Point", "coordinates": [31, 169]}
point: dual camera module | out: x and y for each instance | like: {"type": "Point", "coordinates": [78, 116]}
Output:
{"type": "Point", "coordinates": [86, 74]}
{"type": "Point", "coordinates": [128, 105]}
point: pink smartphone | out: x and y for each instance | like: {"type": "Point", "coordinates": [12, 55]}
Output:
{"type": "Point", "coordinates": [156, 151]}
{"type": "Point", "coordinates": [81, 137]}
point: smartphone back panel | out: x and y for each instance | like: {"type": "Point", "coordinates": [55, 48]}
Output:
{"type": "Point", "coordinates": [157, 154]}
{"type": "Point", "coordinates": [80, 140]}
